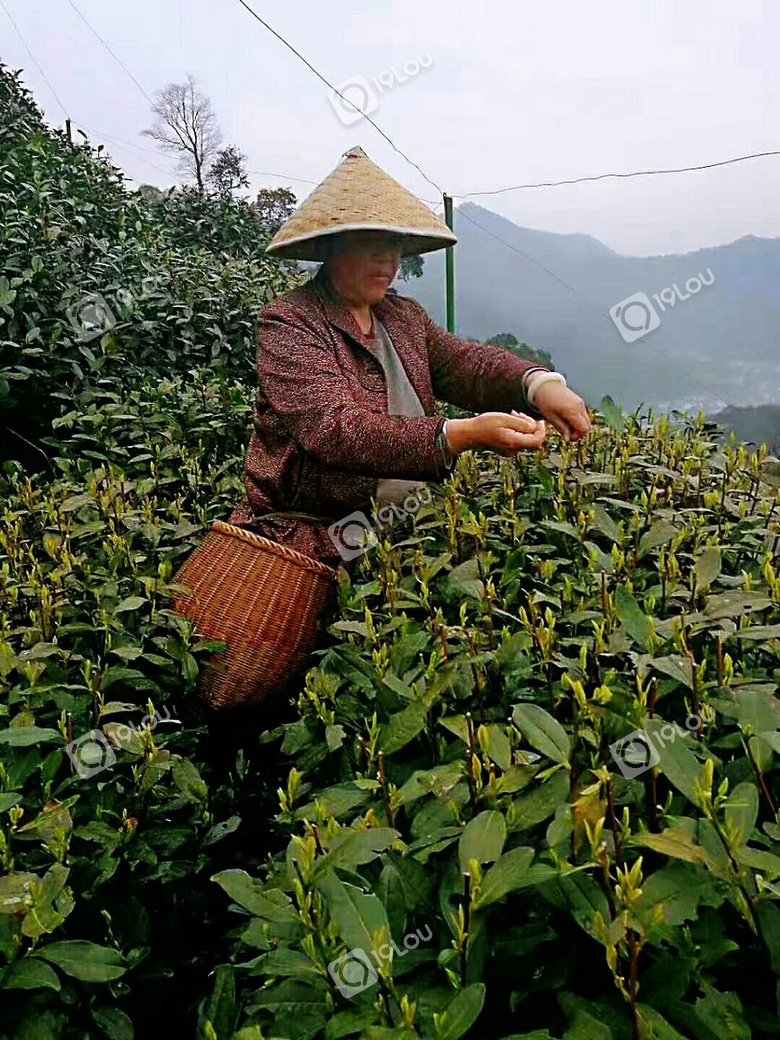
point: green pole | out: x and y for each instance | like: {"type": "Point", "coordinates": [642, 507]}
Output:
{"type": "Point", "coordinates": [450, 267]}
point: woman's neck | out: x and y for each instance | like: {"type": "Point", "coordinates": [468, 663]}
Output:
{"type": "Point", "coordinates": [360, 309]}
{"type": "Point", "coordinates": [364, 317]}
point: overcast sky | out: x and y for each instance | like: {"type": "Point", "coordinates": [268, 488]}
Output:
{"type": "Point", "coordinates": [513, 92]}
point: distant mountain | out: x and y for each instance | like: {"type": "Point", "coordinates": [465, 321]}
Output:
{"type": "Point", "coordinates": [759, 425]}
{"type": "Point", "coordinates": [720, 346]}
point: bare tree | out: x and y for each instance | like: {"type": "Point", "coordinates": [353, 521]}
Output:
{"type": "Point", "coordinates": [187, 126]}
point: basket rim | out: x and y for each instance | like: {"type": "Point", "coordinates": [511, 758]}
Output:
{"type": "Point", "coordinates": [285, 552]}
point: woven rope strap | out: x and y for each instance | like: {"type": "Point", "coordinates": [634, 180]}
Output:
{"type": "Point", "coordinates": [274, 547]}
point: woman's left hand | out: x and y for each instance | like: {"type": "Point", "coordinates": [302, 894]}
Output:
{"type": "Point", "coordinates": [565, 410]}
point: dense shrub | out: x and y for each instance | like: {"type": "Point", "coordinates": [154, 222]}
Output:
{"type": "Point", "coordinates": [452, 789]}
{"type": "Point", "coordinates": [99, 282]}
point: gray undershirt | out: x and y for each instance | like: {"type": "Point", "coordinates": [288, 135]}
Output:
{"type": "Point", "coordinates": [402, 399]}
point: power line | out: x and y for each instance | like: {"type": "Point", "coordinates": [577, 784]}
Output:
{"type": "Point", "coordinates": [330, 86]}
{"type": "Point", "coordinates": [282, 176]}
{"type": "Point", "coordinates": [623, 176]}
{"type": "Point", "coordinates": [35, 60]}
{"type": "Point", "coordinates": [666, 357]}
{"type": "Point", "coordinates": [119, 142]}
{"type": "Point", "coordinates": [95, 33]}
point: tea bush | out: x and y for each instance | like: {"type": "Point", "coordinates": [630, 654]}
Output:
{"type": "Point", "coordinates": [465, 856]}
{"type": "Point", "coordinates": [167, 284]}
{"type": "Point", "coordinates": [106, 911]}
{"type": "Point", "coordinates": [454, 850]}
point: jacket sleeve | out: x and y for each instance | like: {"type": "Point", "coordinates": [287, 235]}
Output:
{"type": "Point", "coordinates": [302, 383]}
{"type": "Point", "coordinates": [475, 376]}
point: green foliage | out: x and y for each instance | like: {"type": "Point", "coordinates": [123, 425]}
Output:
{"type": "Point", "coordinates": [103, 284]}
{"type": "Point", "coordinates": [448, 803]}
{"type": "Point", "coordinates": [507, 341]}
{"type": "Point", "coordinates": [453, 806]}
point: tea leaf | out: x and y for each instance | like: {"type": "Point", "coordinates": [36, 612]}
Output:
{"type": "Point", "coordinates": [84, 960]}
{"type": "Point", "coordinates": [659, 533]}
{"type": "Point", "coordinates": [483, 839]}
{"type": "Point", "coordinates": [741, 811]}
{"type": "Point", "coordinates": [270, 904]}
{"type": "Point", "coordinates": [636, 623]}
{"type": "Point", "coordinates": [679, 887]}
{"type": "Point", "coordinates": [542, 731]}
{"type": "Point", "coordinates": [28, 973]}
{"type": "Point", "coordinates": [359, 916]}
{"type": "Point", "coordinates": [676, 667]}
{"type": "Point", "coordinates": [723, 1015]}
{"type": "Point", "coordinates": [604, 523]}
{"type": "Point", "coordinates": [612, 413]}
{"type": "Point", "coordinates": [540, 802]}
{"type": "Point", "coordinates": [461, 1013]}
{"type": "Point", "coordinates": [707, 568]}
{"type": "Point", "coordinates": [507, 874]}
{"type": "Point", "coordinates": [465, 580]}
{"type": "Point", "coordinates": [351, 847]}
{"type": "Point", "coordinates": [676, 843]}
{"type": "Point", "coordinates": [678, 761]}
{"type": "Point", "coordinates": [25, 736]}
{"type": "Point", "coordinates": [403, 726]}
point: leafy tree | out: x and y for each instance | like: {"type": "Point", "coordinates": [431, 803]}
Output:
{"type": "Point", "coordinates": [186, 126]}
{"type": "Point", "coordinates": [507, 341]}
{"type": "Point", "coordinates": [273, 206]}
{"type": "Point", "coordinates": [411, 267]}
{"type": "Point", "coordinates": [227, 172]}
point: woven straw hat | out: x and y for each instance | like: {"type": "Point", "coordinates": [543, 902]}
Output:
{"type": "Point", "coordinates": [358, 196]}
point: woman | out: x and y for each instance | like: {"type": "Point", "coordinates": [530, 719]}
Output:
{"type": "Point", "coordinates": [349, 370]}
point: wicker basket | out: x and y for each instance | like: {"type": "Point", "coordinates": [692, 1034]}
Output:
{"type": "Point", "coordinates": [262, 599]}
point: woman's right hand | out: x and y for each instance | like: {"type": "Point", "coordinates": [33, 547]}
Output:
{"type": "Point", "coordinates": [499, 431]}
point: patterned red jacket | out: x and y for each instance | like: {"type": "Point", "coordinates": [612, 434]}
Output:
{"type": "Point", "coordinates": [322, 434]}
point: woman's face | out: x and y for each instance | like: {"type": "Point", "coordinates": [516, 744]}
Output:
{"type": "Point", "coordinates": [363, 264]}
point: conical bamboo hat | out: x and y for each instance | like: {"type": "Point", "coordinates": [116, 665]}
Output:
{"type": "Point", "coordinates": [358, 196]}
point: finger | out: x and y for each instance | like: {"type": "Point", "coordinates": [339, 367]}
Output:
{"type": "Point", "coordinates": [521, 422]}
{"type": "Point", "coordinates": [562, 427]}
{"type": "Point", "coordinates": [513, 441]}
{"type": "Point", "coordinates": [580, 421]}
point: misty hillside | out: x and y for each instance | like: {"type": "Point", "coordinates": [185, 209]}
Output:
{"type": "Point", "coordinates": [719, 347]}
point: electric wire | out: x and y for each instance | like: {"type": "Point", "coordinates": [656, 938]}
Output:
{"type": "Point", "coordinates": [116, 58]}
{"type": "Point", "coordinates": [335, 90]}
{"type": "Point", "coordinates": [35, 60]}
{"type": "Point", "coordinates": [623, 176]}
